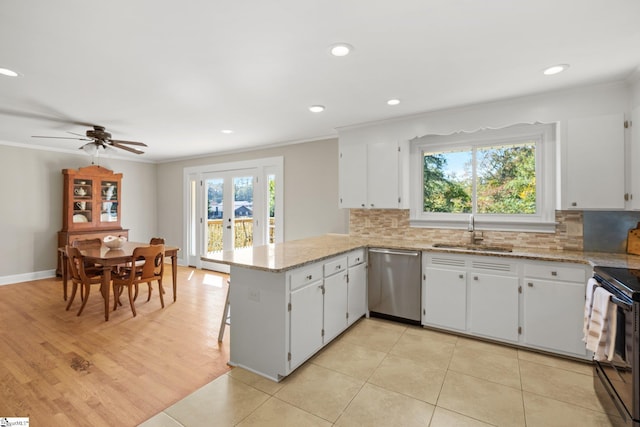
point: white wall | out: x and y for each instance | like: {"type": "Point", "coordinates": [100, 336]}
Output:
{"type": "Point", "coordinates": [31, 215]}
{"type": "Point", "coordinates": [310, 189]}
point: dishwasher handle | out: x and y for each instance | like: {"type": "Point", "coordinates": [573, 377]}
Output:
{"type": "Point", "coordinates": [392, 252]}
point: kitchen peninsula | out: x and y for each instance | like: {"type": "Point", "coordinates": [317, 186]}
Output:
{"type": "Point", "coordinates": [290, 299]}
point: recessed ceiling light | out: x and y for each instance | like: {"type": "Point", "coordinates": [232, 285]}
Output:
{"type": "Point", "coordinates": [393, 102]}
{"type": "Point", "coordinates": [226, 131]}
{"type": "Point", "coordinates": [316, 108]}
{"type": "Point", "coordinates": [555, 69]}
{"type": "Point", "coordinates": [340, 49]}
{"type": "Point", "coordinates": [7, 72]}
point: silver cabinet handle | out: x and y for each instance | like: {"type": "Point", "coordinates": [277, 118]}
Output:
{"type": "Point", "coordinates": [554, 273]}
{"type": "Point", "coordinates": [475, 277]}
{"type": "Point", "coordinates": [461, 276]}
{"type": "Point", "coordinates": [309, 277]}
{"type": "Point", "coordinates": [530, 284]}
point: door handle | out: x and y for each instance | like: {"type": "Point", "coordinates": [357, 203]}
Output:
{"type": "Point", "coordinates": [228, 227]}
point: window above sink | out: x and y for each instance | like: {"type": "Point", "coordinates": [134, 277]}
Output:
{"type": "Point", "coordinates": [504, 177]}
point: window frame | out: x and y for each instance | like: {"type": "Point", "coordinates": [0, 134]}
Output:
{"type": "Point", "coordinates": [544, 135]}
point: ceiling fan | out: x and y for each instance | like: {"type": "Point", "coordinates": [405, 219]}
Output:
{"type": "Point", "coordinates": [98, 137]}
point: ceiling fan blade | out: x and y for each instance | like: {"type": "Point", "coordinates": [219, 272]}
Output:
{"type": "Point", "coordinates": [124, 147]}
{"type": "Point", "coordinates": [61, 137]}
{"type": "Point", "coordinates": [37, 116]}
{"type": "Point", "coordinates": [79, 134]}
{"type": "Point", "coordinates": [117, 141]}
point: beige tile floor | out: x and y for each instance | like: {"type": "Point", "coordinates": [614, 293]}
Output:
{"type": "Point", "coordinates": [381, 373]}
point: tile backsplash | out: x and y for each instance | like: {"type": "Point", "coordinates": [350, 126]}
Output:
{"type": "Point", "coordinates": [394, 223]}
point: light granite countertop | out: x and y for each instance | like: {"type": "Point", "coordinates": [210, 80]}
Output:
{"type": "Point", "coordinates": [296, 253]}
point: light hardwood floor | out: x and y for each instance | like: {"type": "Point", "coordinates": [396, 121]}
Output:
{"type": "Point", "coordinates": [59, 369]}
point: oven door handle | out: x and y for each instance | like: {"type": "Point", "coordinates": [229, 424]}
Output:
{"type": "Point", "coordinates": [621, 303]}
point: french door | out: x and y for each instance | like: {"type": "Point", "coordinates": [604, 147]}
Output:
{"type": "Point", "coordinates": [232, 206]}
{"type": "Point", "coordinates": [230, 222]}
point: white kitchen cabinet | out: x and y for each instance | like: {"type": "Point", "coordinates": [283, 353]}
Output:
{"type": "Point", "coordinates": [357, 286]}
{"type": "Point", "coordinates": [306, 322]}
{"type": "Point", "coordinates": [335, 299]}
{"type": "Point", "coordinates": [352, 171]}
{"type": "Point", "coordinates": [493, 310]}
{"type": "Point", "coordinates": [370, 175]}
{"type": "Point", "coordinates": [444, 292]}
{"type": "Point", "coordinates": [634, 161]}
{"type": "Point", "coordinates": [553, 307]}
{"type": "Point", "coordinates": [594, 144]}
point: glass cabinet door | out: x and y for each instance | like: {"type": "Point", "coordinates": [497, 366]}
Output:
{"type": "Point", "coordinates": [82, 195]}
{"type": "Point", "coordinates": [109, 200]}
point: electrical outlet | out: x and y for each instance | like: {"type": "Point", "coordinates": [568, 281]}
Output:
{"type": "Point", "coordinates": [254, 295]}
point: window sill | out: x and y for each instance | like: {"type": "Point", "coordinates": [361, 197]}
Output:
{"type": "Point", "coordinates": [487, 225]}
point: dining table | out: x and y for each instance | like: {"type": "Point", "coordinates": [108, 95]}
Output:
{"type": "Point", "coordinates": [108, 258]}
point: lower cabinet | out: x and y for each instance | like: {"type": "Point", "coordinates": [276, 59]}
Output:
{"type": "Point", "coordinates": [553, 307]}
{"type": "Point", "coordinates": [529, 303]}
{"type": "Point", "coordinates": [306, 321]}
{"type": "Point", "coordinates": [335, 303]}
{"type": "Point", "coordinates": [356, 286]}
{"type": "Point", "coordinates": [280, 319]}
{"type": "Point", "coordinates": [444, 297]}
{"type": "Point", "coordinates": [493, 306]}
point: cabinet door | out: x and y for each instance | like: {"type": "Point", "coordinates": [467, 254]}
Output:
{"type": "Point", "coordinates": [305, 322]}
{"type": "Point", "coordinates": [634, 161]}
{"type": "Point", "coordinates": [357, 292]}
{"type": "Point", "coordinates": [444, 298]}
{"type": "Point", "coordinates": [493, 302]}
{"type": "Point", "coordinates": [595, 163]}
{"type": "Point", "coordinates": [382, 175]}
{"type": "Point", "coordinates": [553, 315]}
{"type": "Point", "coordinates": [335, 305]}
{"type": "Point", "coordinates": [353, 176]}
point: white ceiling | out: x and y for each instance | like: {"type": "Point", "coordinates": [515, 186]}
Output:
{"type": "Point", "coordinates": [173, 74]}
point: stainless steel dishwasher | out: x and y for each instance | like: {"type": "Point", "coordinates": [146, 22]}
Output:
{"type": "Point", "coordinates": [394, 285]}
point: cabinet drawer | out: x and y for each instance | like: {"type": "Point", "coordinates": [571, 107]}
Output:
{"type": "Point", "coordinates": [305, 275]}
{"type": "Point", "coordinates": [565, 273]}
{"type": "Point", "coordinates": [334, 266]}
{"type": "Point", "coordinates": [355, 257]}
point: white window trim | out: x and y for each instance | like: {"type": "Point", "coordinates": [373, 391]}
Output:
{"type": "Point", "coordinates": [543, 221]}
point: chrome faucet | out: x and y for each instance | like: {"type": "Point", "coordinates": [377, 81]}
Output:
{"type": "Point", "coordinates": [473, 238]}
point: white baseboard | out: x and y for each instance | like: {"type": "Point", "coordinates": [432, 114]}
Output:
{"type": "Point", "coordinates": [26, 277]}
{"type": "Point", "coordinates": [37, 275]}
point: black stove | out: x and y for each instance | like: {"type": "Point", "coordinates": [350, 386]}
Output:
{"type": "Point", "coordinates": [618, 381]}
{"type": "Point", "coordinates": [625, 280]}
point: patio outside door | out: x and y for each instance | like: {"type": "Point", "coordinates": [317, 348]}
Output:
{"type": "Point", "coordinates": [229, 210]}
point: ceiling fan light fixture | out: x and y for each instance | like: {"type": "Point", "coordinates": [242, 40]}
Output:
{"type": "Point", "coordinates": [90, 148]}
{"type": "Point", "coordinates": [316, 108]}
{"type": "Point", "coordinates": [555, 69]}
{"type": "Point", "coordinates": [7, 72]}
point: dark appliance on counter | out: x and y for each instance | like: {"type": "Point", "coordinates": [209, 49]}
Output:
{"type": "Point", "coordinates": [618, 381]}
{"type": "Point", "coordinates": [394, 284]}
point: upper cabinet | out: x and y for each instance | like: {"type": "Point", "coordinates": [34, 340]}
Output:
{"type": "Point", "coordinates": [91, 199]}
{"type": "Point", "coordinates": [634, 161]}
{"type": "Point", "coordinates": [371, 175]}
{"type": "Point", "coordinates": [593, 169]}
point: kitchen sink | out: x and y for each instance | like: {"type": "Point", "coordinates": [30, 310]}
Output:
{"type": "Point", "coordinates": [479, 248]}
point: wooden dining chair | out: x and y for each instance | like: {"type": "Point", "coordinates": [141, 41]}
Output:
{"type": "Point", "coordinates": [150, 268]}
{"type": "Point", "coordinates": [80, 277]}
{"type": "Point", "coordinates": [153, 241]}
{"type": "Point", "coordinates": [84, 244]}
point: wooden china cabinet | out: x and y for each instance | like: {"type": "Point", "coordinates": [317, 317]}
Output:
{"type": "Point", "coordinates": [91, 205]}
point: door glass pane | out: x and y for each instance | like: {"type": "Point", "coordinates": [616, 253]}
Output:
{"type": "Point", "coordinates": [271, 190]}
{"type": "Point", "coordinates": [215, 193]}
{"type": "Point", "coordinates": [243, 211]}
